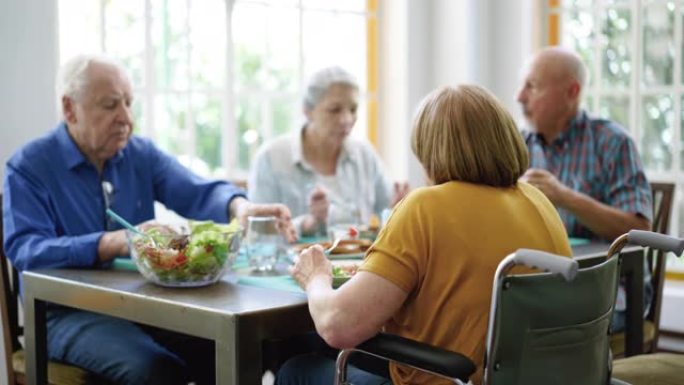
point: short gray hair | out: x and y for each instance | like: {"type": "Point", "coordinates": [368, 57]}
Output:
{"type": "Point", "coordinates": [322, 80]}
{"type": "Point", "coordinates": [72, 79]}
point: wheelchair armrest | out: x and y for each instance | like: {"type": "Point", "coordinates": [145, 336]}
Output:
{"type": "Point", "coordinates": [419, 355]}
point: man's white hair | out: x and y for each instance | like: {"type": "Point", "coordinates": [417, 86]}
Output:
{"type": "Point", "coordinates": [73, 79]}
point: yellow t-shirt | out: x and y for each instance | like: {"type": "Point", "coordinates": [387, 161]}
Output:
{"type": "Point", "coordinates": [442, 245]}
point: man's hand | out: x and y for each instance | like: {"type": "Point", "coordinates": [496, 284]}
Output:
{"type": "Point", "coordinates": [604, 221]}
{"type": "Point", "coordinates": [241, 208]}
{"type": "Point", "coordinates": [549, 185]}
{"type": "Point", "coordinates": [112, 244]}
{"type": "Point", "coordinates": [401, 189]}
{"type": "Point", "coordinates": [311, 263]}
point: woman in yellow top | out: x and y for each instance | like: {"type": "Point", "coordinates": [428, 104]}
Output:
{"type": "Point", "coordinates": [429, 274]}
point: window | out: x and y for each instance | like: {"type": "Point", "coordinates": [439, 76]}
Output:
{"type": "Point", "coordinates": [633, 50]}
{"type": "Point", "coordinates": [213, 79]}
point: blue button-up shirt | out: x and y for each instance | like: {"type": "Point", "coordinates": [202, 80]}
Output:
{"type": "Point", "coordinates": [54, 203]}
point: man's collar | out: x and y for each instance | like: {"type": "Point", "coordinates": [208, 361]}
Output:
{"type": "Point", "coordinates": [574, 125]}
{"type": "Point", "coordinates": [73, 157]}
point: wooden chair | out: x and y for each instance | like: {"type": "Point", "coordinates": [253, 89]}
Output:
{"type": "Point", "coordinates": [14, 357]}
{"type": "Point", "coordinates": [663, 194]}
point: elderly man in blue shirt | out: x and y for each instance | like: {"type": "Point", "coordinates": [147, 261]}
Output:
{"type": "Point", "coordinates": [56, 191]}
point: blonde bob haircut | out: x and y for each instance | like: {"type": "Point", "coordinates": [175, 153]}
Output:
{"type": "Point", "coordinates": [465, 134]}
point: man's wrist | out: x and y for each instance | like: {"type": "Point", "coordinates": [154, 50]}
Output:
{"type": "Point", "coordinates": [111, 244]}
{"type": "Point", "coordinates": [235, 206]}
{"type": "Point", "coordinates": [570, 199]}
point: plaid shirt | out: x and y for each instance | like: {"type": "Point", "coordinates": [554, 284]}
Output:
{"type": "Point", "coordinates": [598, 158]}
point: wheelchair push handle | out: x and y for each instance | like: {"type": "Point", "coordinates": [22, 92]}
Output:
{"type": "Point", "coordinates": [567, 267]}
{"type": "Point", "coordinates": [656, 241]}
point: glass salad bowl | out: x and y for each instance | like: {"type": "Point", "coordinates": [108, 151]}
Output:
{"type": "Point", "coordinates": [173, 258]}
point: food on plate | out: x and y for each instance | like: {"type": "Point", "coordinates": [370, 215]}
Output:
{"type": "Point", "coordinates": [171, 258]}
{"type": "Point", "coordinates": [343, 272]}
{"type": "Point", "coordinates": [346, 246]}
{"type": "Point", "coordinates": [373, 224]}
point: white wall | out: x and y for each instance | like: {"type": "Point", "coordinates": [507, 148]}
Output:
{"type": "Point", "coordinates": [430, 43]}
{"type": "Point", "coordinates": [28, 42]}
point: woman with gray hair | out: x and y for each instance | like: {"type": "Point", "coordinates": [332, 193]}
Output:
{"type": "Point", "coordinates": [322, 174]}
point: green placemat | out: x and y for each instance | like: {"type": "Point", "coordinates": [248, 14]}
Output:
{"type": "Point", "coordinates": [280, 282]}
{"type": "Point", "coordinates": [578, 241]}
{"type": "Point", "coordinates": [312, 239]}
{"type": "Point", "coordinates": [124, 264]}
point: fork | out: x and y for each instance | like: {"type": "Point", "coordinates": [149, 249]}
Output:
{"type": "Point", "coordinates": [293, 258]}
{"type": "Point", "coordinates": [333, 246]}
{"type": "Point", "coordinates": [129, 226]}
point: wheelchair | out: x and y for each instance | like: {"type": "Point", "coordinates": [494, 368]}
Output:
{"type": "Point", "coordinates": [544, 328]}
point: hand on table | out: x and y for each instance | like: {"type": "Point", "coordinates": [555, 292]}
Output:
{"type": "Point", "coordinates": [112, 244]}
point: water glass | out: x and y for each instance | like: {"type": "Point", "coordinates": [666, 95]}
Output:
{"type": "Point", "coordinates": [342, 216]}
{"type": "Point", "coordinates": [262, 242]}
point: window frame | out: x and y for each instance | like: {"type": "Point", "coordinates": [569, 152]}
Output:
{"type": "Point", "coordinates": [149, 91]}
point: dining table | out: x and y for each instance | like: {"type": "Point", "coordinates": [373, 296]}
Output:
{"type": "Point", "coordinates": [241, 313]}
{"type": "Point", "coordinates": [237, 317]}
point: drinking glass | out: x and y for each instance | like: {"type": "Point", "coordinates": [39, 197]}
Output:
{"type": "Point", "coordinates": [342, 216]}
{"type": "Point", "coordinates": [263, 243]}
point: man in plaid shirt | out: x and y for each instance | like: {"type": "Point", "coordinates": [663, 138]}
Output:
{"type": "Point", "coordinates": [588, 167]}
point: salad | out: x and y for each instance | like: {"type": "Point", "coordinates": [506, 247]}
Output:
{"type": "Point", "coordinates": [170, 258]}
{"type": "Point", "coordinates": [344, 271]}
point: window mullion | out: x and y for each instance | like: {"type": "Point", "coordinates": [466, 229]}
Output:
{"type": "Point", "coordinates": [229, 140]}
{"type": "Point", "coordinates": [190, 128]}
{"type": "Point", "coordinates": [302, 81]}
{"type": "Point", "coordinates": [598, 76]}
{"type": "Point", "coordinates": [637, 32]}
{"type": "Point", "coordinates": [677, 142]}
{"type": "Point", "coordinates": [149, 90]}
{"type": "Point", "coordinates": [103, 25]}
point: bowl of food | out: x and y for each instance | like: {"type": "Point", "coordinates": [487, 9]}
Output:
{"type": "Point", "coordinates": [185, 258]}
